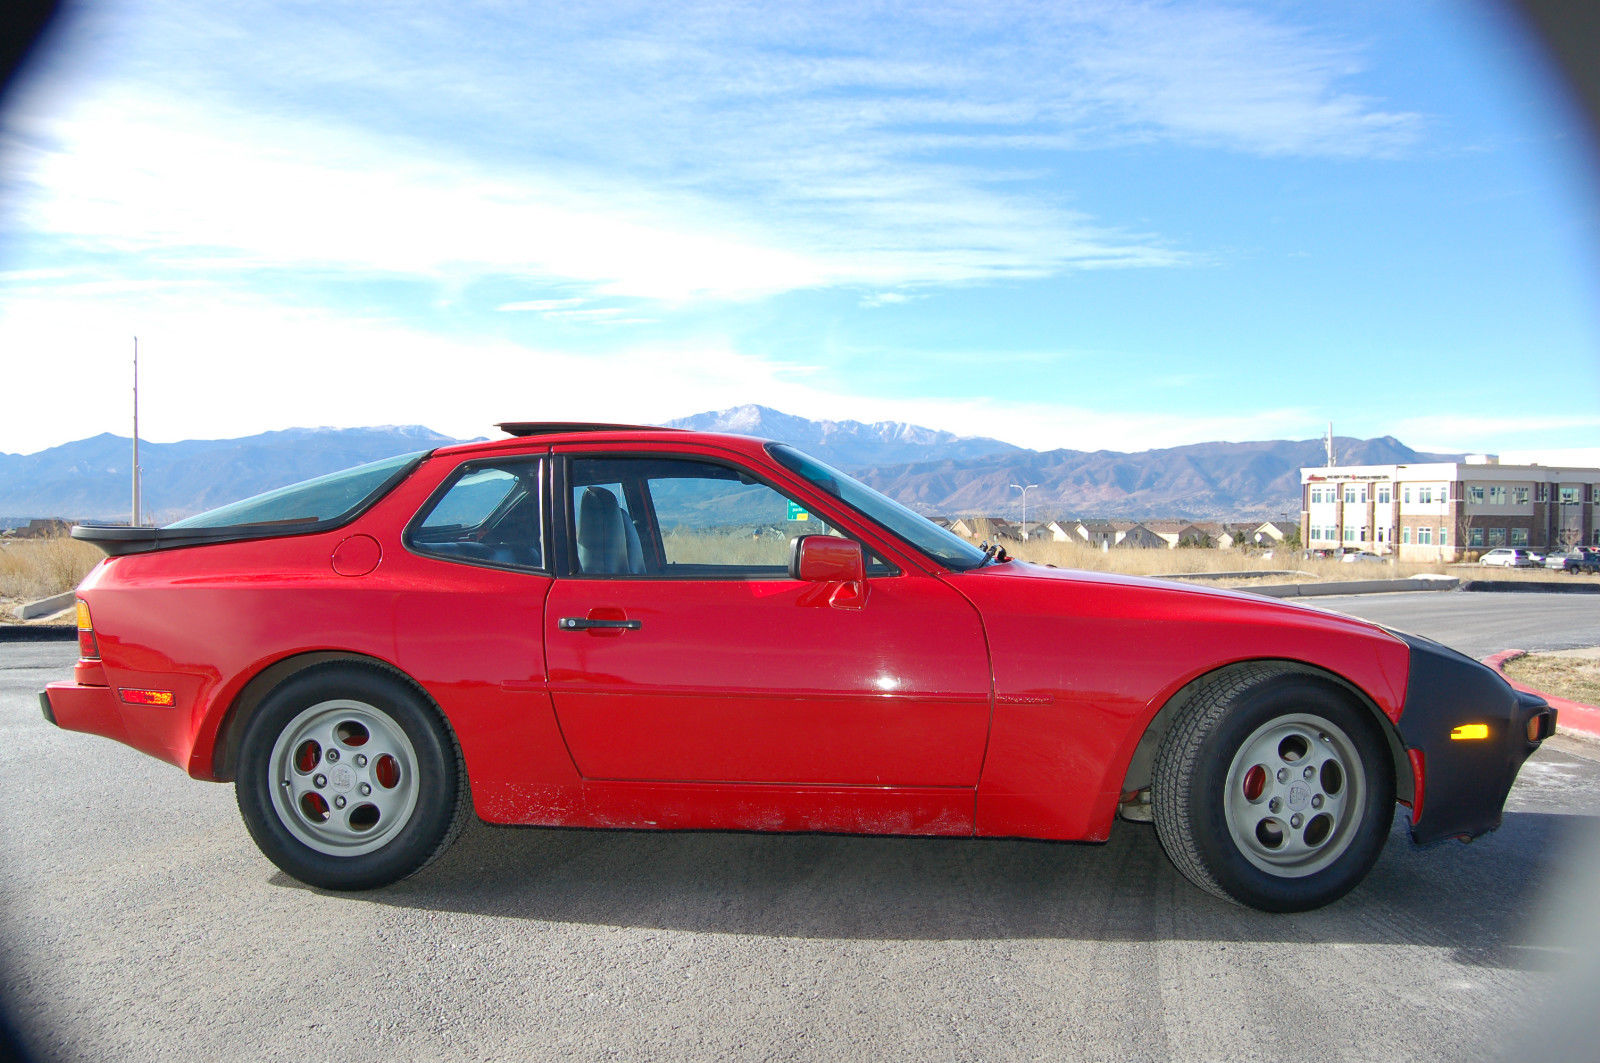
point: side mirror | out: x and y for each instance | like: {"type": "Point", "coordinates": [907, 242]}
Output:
{"type": "Point", "coordinates": [827, 559]}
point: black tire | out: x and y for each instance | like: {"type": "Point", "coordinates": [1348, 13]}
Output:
{"type": "Point", "coordinates": [348, 779]}
{"type": "Point", "coordinates": [1274, 789]}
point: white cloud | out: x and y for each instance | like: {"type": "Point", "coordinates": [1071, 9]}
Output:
{"type": "Point", "coordinates": [704, 151]}
{"type": "Point", "coordinates": [217, 363]}
{"type": "Point", "coordinates": [1466, 432]}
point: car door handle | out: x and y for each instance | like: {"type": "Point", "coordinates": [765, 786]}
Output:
{"type": "Point", "coordinates": [583, 623]}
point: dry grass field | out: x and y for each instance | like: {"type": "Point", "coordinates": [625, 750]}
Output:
{"type": "Point", "coordinates": [1566, 675]}
{"type": "Point", "coordinates": [38, 568]}
{"type": "Point", "coordinates": [1175, 564]}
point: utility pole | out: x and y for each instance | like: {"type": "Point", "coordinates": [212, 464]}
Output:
{"type": "Point", "coordinates": [136, 520]}
{"type": "Point", "coordinates": [1333, 459]}
{"type": "Point", "coordinates": [1024, 491]}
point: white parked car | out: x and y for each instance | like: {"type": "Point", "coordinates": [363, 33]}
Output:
{"type": "Point", "coordinates": [1508, 557]}
{"type": "Point", "coordinates": [1361, 555]}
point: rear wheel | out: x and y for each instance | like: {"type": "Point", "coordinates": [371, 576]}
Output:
{"type": "Point", "coordinates": [1275, 790]}
{"type": "Point", "coordinates": [347, 780]}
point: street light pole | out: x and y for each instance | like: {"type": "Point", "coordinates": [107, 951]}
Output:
{"type": "Point", "coordinates": [1024, 490]}
{"type": "Point", "coordinates": [137, 515]}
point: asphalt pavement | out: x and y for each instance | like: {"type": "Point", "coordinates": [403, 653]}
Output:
{"type": "Point", "coordinates": [139, 923]}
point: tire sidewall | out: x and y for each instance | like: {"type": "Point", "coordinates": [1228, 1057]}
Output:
{"type": "Point", "coordinates": [436, 769]}
{"type": "Point", "coordinates": [1232, 870]}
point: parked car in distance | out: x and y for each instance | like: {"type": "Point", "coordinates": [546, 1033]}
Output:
{"type": "Point", "coordinates": [1361, 556]}
{"type": "Point", "coordinates": [1508, 557]}
{"type": "Point", "coordinates": [1572, 561]}
{"type": "Point", "coordinates": [625, 627]}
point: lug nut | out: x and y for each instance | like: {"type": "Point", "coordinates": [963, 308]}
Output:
{"type": "Point", "coordinates": [338, 802]}
{"type": "Point", "coordinates": [1283, 774]}
{"type": "Point", "coordinates": [1294, 820]}
{"type": "Point", "coordinates": [1309, 772]}
{"type": "Point", "coordinates": [332, 755]}
{"type": "Point", "coordinates": [366, 789]}
{"type": "Point", "coordinates": [361, 760]}
{"type": "Point", "coordinates": [1276, 804]}
{"type": "Point", "coordinates": [319, 781]}
{"type": "Point", "coordinates": [1316, 800]}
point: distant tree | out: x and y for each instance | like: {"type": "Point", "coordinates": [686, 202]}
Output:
{"type": "Point", "coordinates": [1292, 540]}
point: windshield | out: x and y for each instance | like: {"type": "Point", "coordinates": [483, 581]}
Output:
{"type": "Point", "coordinates": [943, 546]}
{"type": "Point", "coordinates": [322, 500]}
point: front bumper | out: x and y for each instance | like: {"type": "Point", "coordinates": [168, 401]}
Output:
{"type": "Point", "coordinates": [1464, 780]}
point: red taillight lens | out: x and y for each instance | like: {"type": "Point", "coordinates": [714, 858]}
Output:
{"type": "Point", "coordinates": [88, 648]}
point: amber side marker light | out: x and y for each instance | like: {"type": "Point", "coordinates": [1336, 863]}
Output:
{"type": "Point", "coordinates": [88, 648]}
{"type": "Point", "coordinates": [146, 697]}
{"type": "Point", "coordinates": [1470, 732]}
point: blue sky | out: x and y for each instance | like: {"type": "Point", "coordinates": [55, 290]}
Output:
{"type": "Point", "coordinates": [1083, 225]}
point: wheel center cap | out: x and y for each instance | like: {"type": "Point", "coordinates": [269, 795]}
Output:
{"type": "Point", "coordinates": [342, 778]}
{"type": "Point", "coordinates": [1299, 797]}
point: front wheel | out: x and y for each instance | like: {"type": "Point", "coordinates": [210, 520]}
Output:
{"type": "Point", "coordinates": [347, 780]}
{"type": "Point", "coordinates": [1274, 790]}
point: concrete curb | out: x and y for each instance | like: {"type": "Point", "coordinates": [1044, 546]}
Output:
{"type": "Point", "coordinates": [44, 606]}
{"type": "Point", "coordinates": [1360, 586]}
{"type": "Point", "coordinates": [1570, 715]}
{"type": "Point", "coordinates": [1529, 586]}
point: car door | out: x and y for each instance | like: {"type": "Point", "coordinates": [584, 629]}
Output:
{"type": "Point", "coordinates": [680, 650]}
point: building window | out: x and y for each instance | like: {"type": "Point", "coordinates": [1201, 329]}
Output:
{"type": "Point", "coordinates": [1475, 536]}
{"type": "Point", "coordinates": [1355, 495]}
{"type": "Point", "coordinates": [1595, 539]}
{"type": "Point", "coordinates": [1497, 536]}
{"type": "Point", "coordinates": [1541, 492]}
{"type": "Point", "coordinates": [1405, 494]}
{"type": "Point", "coordinates": [1349, 535]}
{"type": "Point", "coordinates": [1497, 496]}
{"type": "Point", "coordinates": [1444, 536]}
{"type": "Point", "coordinates": [1519, 536]}
{"type": "Point", "coordinates": [1519, 495]}
{"type": "Point", "coordinates": [1425, 495]}
{"type": "Point", "coordinates": [1475, 493]}
{"type": "Point", "coordinates": [1424, 536]}
{"type": "Point", "coordinates": [1405, 535]}
{"type": "Point", "coordinates": [1385, 495]}
{"type": "Point", "coordinates": [1569, 496]}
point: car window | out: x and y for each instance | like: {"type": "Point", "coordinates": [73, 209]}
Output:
{"type": "Point", "coordinates": [324, 500]}
{"type": "Point", "coordinates": [943, 546]}
{"type": "Point", "coordinates": [684, 518]}
{"type": "Point", "coordinates": [487, 514]}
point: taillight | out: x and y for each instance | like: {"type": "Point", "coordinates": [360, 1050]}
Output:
{"type": "Point", "coordinates": [88, 648]}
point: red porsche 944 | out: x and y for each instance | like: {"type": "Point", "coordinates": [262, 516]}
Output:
{"type": "Point", "coordinates": [609, 626]}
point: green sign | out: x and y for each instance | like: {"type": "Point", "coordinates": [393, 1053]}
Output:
{"type": "Point", "coordinates": [796, 513]}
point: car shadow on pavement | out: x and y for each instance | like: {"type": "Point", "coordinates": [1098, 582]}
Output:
{"type": "Point", "coordinates": [1477, 899]}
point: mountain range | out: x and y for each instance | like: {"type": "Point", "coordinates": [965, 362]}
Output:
{"type": "Point", "coordinates": [930, 470]}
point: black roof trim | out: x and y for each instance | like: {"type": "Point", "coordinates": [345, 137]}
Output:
{"type": "Point", "coordinates": [550, 428]}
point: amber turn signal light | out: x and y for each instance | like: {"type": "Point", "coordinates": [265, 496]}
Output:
{"type": "Point", "coordinates": [88, 648]}
{"type": "Point", "coordinates": [146, 697]}
{"type": "Point", "coordinates": [1470, 732]}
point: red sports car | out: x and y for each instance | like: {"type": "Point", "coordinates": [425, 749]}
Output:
{"type": "Point", "coordinates": [611, 626]}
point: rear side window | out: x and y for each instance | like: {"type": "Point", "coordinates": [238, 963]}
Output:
{"type": "Point", "coordinates": [486, 514]}
{"type": "Point", "coordinates": [325, 500]}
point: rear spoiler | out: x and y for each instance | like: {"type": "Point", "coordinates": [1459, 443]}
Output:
{"type": "Point", "coordinates": [118, 539]}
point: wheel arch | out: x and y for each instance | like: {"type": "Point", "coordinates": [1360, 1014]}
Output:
{"type": "Point", "coordinates": [225, 750]}
{"type": "Point", "coordinates": [1141, 765]}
